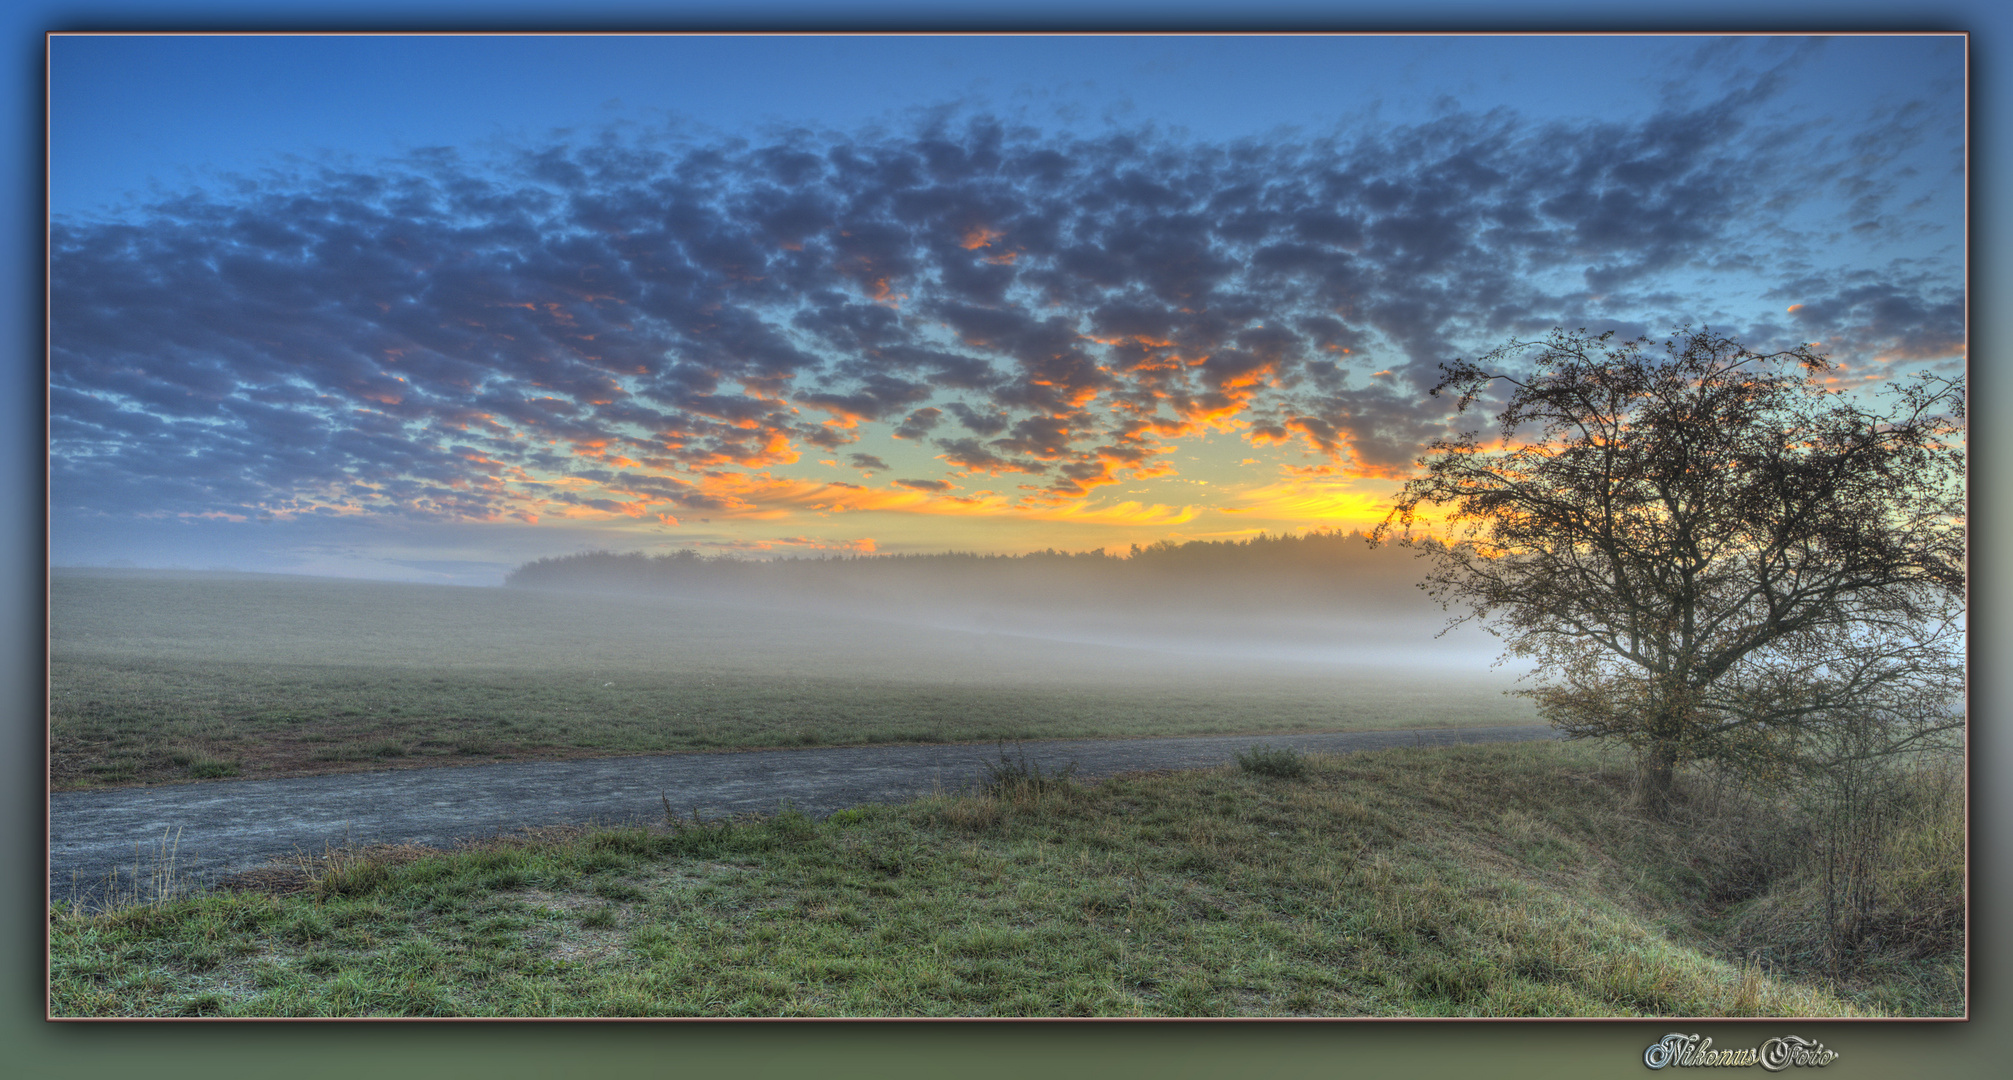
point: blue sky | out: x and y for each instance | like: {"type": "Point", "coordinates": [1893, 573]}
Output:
{"type": "Point", "coordinates": [426, 307]}
{"type": "Point", "coordinates": [130, 115]}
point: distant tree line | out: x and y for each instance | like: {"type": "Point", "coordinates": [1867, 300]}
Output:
{"type": "Point", "coordinates": [1324, 565]}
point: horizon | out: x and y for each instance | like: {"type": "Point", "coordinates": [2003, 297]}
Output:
{"type": "Point", "coordinates": [123, 563]}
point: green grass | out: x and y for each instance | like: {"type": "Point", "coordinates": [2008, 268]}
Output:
{"type": "Point", "coordinates": [212, 769]}
{"type": "Point", "coordinates": [151, 673]}
{"type": "Point", "coordinates": [1506, 880]}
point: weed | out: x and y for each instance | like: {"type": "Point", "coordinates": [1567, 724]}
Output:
{"type": "Point", "coordinates": [626, 841]}
{"type": "Point", "coordinates": [153, 881]}
{"type": "Point", "coordinates": [1283, 762]}
{"type": "Point", "coordinates": [1018, 779]}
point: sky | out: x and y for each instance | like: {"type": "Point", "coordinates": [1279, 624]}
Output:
{"type": "Point", "coordinates": [427, 307]}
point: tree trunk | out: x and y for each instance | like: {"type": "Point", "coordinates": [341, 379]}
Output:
{"type": "Point", "coordinates": [1653, 790]}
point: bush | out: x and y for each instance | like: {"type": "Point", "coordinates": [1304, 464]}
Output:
{"type": "Point", "coordinates": [1862, 869]}
{"type": "Point", "coordinates": [1283, 762]}
{"type": "Point", "coordinates": [1889, 862]}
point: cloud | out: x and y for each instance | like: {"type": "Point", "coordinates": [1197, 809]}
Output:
{"type": "Point", "coordinates": [918, 424]}
{"type": "Point", "coordinates": [977, 422]}
{"type": "Point", "coordinates": [1897, 315]}
{"type": "Point", "coordinates": [631, 330]}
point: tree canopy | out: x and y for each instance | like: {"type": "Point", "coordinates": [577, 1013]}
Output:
{"type": "Point", "coordinates": [1710, 554]}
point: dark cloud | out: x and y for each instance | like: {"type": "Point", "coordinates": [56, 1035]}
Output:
{"type": "Point", "coordinates": [616, 327]}
{"type": "Point", "coordinates": [977, 422]}
{"type": "Point", "coordinates": [971, 454]}
{"type": "Point", "coordinates": [1897, 315]}
{"type": "Point", "coordinates": [919, 423]}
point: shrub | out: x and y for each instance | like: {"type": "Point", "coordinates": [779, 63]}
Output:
{"type": "Point", "coordinates": [1861, 869]}
{"type": "Point", "coordinates": [1889, 862]}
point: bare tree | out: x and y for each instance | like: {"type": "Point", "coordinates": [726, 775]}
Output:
{"type": "Point", "coordinates": [1710, 555]}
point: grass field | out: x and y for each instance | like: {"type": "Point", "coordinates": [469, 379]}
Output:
{"type": "Point", "coordinates": [1503, 880]}
{"type": "Point", "coordinates": [161, 677]}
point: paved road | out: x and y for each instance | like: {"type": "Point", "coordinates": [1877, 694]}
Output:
{"type": "Point", "coordinates": [231, 825]}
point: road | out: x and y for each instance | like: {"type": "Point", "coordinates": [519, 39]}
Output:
{"type": "Point", "coordinates": [225, 826]}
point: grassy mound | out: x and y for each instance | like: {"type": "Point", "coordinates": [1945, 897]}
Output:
{"type": "Point", "coordinates": [1506, 880]}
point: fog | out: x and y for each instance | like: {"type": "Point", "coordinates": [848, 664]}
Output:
{"type": "Point", "coordinates": [1323, 599]}
{"type": "Point", "coordinates": [965, 650]}
{"type": "Point", "coordinates": [1384, 641]}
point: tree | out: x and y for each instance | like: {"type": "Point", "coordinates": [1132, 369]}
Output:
{"type": "Point", "coordinates": [1710, 555]}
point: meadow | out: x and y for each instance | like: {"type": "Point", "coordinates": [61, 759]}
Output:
{"type": "Point", "coordinates": [160, 676]}
{"type": "Point", "coordinates": [1495, 880]}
